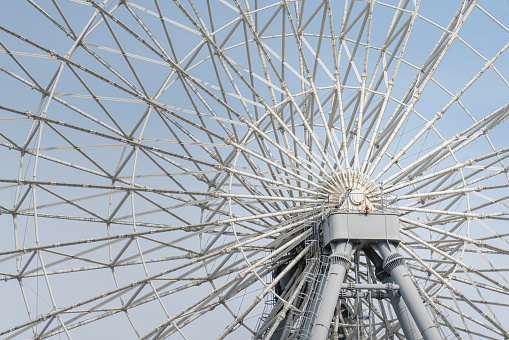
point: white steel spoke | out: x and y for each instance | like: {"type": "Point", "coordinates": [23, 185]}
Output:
{"type": "Point", "coordinates": [177, 169]}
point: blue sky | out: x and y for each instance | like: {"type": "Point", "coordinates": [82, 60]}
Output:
{"type": "Point", "coordinates": [204, 115]}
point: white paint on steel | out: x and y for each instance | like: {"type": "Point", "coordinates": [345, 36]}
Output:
{"type": "Point", "coordinates": [164, 164]}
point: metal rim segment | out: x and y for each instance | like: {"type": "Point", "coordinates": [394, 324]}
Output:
{"type": "Point", "coordinates": [166, 165]}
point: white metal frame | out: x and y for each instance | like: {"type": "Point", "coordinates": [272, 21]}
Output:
{"type": "Point", "coordinates": [177, 157]}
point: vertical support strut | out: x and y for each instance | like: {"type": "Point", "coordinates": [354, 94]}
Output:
{"type": "Point", "coordinates": [340, 263]}
{"type": "Point", "coordinates": [395, 266]}
{"type": "Point", "coordinates": [308, 325]}
{"type": "Point", "coordinates": [405, 319]}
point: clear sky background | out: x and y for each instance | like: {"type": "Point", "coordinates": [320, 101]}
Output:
{"type": "Point", "coordinates": [112, 97]}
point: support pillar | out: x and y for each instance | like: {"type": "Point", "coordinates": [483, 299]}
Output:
{"type": "Point", "coordinates": [310, 319]}
{"type": "Point", "coordinates": [405, 319]}
{"type": "Point", "coordinates": [395, 266]}
{"type": "Point", "coordinates": [340, 263]}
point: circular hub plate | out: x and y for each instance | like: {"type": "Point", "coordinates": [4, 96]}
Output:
{"type": "Point", "coordinates": [357, 197]}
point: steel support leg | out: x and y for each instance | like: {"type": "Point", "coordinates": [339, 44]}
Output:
{"type": "Point", "coordinates": [395, 266]}
{"type": "Point", "coordinates": [340, 263]}
{"type": "Point", "coordinates": [315, 304]}
{"type": "Point", "coordinates": [405, 319]}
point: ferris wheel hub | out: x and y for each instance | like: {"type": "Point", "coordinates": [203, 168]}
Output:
{"type": "Point", "coordinates": [349, 190]}
{"type": "Point", "coordinates": [342, 180]}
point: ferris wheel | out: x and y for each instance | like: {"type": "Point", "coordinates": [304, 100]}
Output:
{"type": "Point", "coordinates": [249, 169]}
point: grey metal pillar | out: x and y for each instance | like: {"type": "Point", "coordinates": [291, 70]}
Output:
{"type": "Point", "coordinates": [310, 320]}
{"type": "Point", "coordinates": [405, 319]}
{"type": "Point", "coordinates": [395, 266]}
{"type": "Point", "coordinates": [340, 263]}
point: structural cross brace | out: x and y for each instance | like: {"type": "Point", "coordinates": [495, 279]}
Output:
{"type": "Point", "coordinates": [378, 236]}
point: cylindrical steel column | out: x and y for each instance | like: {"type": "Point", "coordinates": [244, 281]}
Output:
{"type": "Point", "coordinates": [395, 266]}
{"type": "Point", "coordinates": [340, 263]}
{"type": "Point", "coordinates": [405, 319]}
{"type": "Point", "coordinates": [315, 304]}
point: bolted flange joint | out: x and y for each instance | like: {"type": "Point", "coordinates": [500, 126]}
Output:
{"type": "Point", "coordinates": [341, 259]}
{"type": "Point", "coordinates": [392, 261]}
